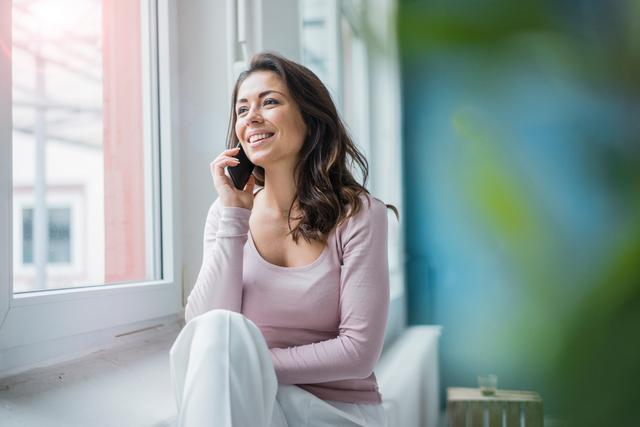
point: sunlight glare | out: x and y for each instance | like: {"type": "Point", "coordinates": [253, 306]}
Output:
{"type": "Point", "coordinates": [56, 18]}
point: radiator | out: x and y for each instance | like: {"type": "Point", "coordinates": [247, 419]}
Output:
{"type": "Point", "coordinates": [408, 379]}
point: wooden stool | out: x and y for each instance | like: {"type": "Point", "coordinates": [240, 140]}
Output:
{"type": "Point", "coordinates": [469, 407]}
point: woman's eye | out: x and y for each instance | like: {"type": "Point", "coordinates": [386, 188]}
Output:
{"type": "Point", "coordinates": [267, 101]}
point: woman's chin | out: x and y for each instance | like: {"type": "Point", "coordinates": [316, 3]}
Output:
{"type": "Point", "coordinates": [259, 161]}
{"type": "Point", "coordinates": [260, 158]}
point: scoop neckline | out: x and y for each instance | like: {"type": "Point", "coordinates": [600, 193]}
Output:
{"type": "Point", "coordinates": [317, 261]}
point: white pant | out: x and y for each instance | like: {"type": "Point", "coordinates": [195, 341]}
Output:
{"type": "Point", "coordinates": [223, 376]}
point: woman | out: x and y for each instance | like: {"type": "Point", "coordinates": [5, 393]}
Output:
{"type": "Point", "coordinates": [287, 317]}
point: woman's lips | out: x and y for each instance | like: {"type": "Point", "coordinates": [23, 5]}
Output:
{"type": "Point", "coordinates": [262, 141]}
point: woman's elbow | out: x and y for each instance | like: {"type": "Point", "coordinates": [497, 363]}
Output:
{"type": "Point", "coordinates": [364, 356]}
{"type": "Point", "coordinates": [363, 369]}
{"type": "Point", "coordinates": [364, 364]}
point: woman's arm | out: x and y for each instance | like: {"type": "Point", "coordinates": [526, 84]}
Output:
{"type": "Point", "coordinates": [219, 282]}
{"type": "Point", "coordinates": [364, 305]}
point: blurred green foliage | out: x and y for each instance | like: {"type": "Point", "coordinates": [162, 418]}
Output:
{"type": "Point", "coordinates": [588, 343]}
{"type": "Point", "coordinates": [600, 39]}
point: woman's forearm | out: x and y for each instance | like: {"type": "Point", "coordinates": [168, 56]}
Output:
{"type": "Point", "coordinates": [219, 281]}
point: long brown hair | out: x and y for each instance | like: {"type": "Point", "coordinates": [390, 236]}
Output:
{"type": "Point", "coordinates": [325, 185]}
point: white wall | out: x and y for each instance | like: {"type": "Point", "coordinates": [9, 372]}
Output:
{"type": "Point", "coordinates": [204, 114]}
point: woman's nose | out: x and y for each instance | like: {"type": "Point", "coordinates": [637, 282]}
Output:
{"type": "Point", "coordinates": [253, 115]}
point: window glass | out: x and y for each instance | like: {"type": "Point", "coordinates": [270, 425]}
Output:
{"type": "Point", "coordinates": [83, 163]}
{"type": "Point", "coordinates": [59, 235]}
{"type": "Point", "coordinates": [319, 44]}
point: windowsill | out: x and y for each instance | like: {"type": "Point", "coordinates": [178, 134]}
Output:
{"type": "Point", "coordinates": [129, 383]}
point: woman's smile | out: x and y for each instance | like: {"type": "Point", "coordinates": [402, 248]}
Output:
{"type": "Point", "coordinates": [260, 139]}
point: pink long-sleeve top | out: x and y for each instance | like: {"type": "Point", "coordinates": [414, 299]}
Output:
{"type": "Point", "coordinates": [324, 322]}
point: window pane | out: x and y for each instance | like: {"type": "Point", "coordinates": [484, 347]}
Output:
{"type": "Point", "coordinates": [59, 235]}
{"type": "Point", "coordinates": [318, 42]}
{"type": "Point", "coordinates": [315, 49]}
{"type": "Point", "coordinates": [27, 236]}
{"type": "Point", "coordinates": [83, 146]}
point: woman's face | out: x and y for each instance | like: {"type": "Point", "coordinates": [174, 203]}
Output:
{"type": "Point", "coordinates": [264, 107]}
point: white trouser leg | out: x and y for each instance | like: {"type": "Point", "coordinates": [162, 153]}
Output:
{"type": "Point", "coordinates": [222, 372]}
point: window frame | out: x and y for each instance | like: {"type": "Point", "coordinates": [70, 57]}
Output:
{"type": "Point", "coordinates": [39, 328]}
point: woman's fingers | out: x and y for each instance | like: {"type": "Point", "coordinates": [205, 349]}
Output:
{"type": "Point", "coordinates": [225, 160]}
{"type": "Point", "coordinates": [224, 186]}
{"type": "Point", "coordinates": [230, 152]}
{"type": "Point", "coordinates": [220, 179]}
{"type": "Point", "coordinates": [218, 165]}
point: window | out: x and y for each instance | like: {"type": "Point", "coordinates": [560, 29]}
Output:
{"type": "Point", "coordinates": [67, 265]}
{"type": "Point", "coordinates": [320, 44]}
{"type": "Point", "coordinates": [87, 245]}
{"type": "Point", "coordinates": [59, 235]}
{"type": "Point", "coordinates": [333, 49]}
{"type": "Point", "coordinates": [355, 76]}
{"type": "Point", "coordinates": [78, 121]}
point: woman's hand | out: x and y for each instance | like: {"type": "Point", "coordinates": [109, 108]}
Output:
{"type": "Point", "coordinates": [229, 195]}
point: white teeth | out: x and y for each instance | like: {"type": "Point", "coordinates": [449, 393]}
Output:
{"type": "Point", "coordinates": [258, 137]}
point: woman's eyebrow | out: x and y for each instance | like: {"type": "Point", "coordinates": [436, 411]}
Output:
{"type": "Point", "coordinates": [266, 92]}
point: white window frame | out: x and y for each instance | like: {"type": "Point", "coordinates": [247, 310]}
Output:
{"type": "Point", "coordinates": [39, 328]}
{"type": "Point", "coordinates": [332, 78]}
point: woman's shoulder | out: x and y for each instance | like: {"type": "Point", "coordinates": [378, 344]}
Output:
{"type": "Point", "coordinates": [365, 228]}
{"type": "Point", "coordinates": [372, 213]}
{"type": "Point", "coordinates": [370, 205]}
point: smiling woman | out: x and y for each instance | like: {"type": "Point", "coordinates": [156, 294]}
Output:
{"type": "Point", "coordinates": [296, 324]}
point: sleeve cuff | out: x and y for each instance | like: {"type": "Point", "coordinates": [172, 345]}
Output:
{"type": "Point", "coordinates": [233, 222]}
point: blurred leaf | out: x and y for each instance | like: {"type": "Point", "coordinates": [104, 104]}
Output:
{"type": "Point", "coordinates": [424, 25]}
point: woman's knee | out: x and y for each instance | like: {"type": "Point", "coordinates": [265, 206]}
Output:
{"type": "Point", "coordinates": [216, 315]}
{"type": "Point", "coordinates": [223, 317]}
{"type": "Point", "coordinates": [220, 320]}
{"type": "Point", "coordinates": [218, 333]}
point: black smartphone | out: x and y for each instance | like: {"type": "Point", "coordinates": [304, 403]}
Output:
{"type": "Point", "coordinates": [242, 171]}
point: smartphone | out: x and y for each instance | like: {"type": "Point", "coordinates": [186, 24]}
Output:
{"type": "Point", "coordinates": [242, 171]}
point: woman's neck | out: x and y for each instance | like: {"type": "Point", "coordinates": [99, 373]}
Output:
{"type": "Point", "coordinates": [278, 193]}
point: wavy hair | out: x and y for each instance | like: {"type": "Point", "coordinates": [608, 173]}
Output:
{"type": "Point", "coordinates": [325, 184]}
